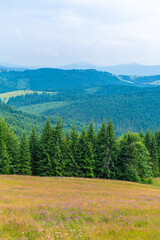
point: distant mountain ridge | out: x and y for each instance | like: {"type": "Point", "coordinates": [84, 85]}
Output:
{"type": "Point", "coordinates": [132, 69]}
{"type": "Point", "coordinates": [121, 69]}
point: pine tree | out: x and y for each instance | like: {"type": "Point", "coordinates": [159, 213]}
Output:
{"type": "Point", "coordinates": [34, 145]}
{"type": "Point", "coordinates": [58, 160]}
{"type": "Point", "coordinates": [151, 144]}
{"type": "Point", "coordinates": [100, 150]}
{"type": "Point", "coordinates": [154, 157]}
{"type": "Point", "coordinates": [73, 146]}
{"type": "Point", "coordinates": [24, 156]}
{"type": "Point", "coordinates": [110, 153]}
{"type": "Point", "coordinates": [148, 140]}
{"type": "Point", "coordinates": [85, 156]}
{"type": "Point", "coordinates": [4, 159]}
{"type": "Point", "coordinates": [8, 137]}
{"type": "Point", "coordinates": [45, 163]}
{"type": "Point", "coordinates": [12, 145]}
{"type": "Point", "coordinates": [157, 137]}
{"type": "Point", "coordinates": [91, 134]}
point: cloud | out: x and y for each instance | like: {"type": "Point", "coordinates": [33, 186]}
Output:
{"type": "Point", "coordinates": [64, 31]}
{"type": "Point", "coordinates": [18, 31]}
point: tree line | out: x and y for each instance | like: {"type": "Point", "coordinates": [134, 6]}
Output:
{"type": "Point", "coordinates": [133, 156]}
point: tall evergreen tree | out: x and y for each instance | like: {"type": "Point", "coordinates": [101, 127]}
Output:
{"type": "Point", "coordinates": [4, 159]}
{"type": "Point", "coordinates": [45, 164]}
{"type": "Point", "coordinates": [151, 144]}
{"type": "Point", "coordinates": [58, 160]}
{"type": "Point", "coordinates": [12, 145]}
{"type": "Point", "coordinates": [73, 146]}
{"type": "Point", "coordinates": [34, 145]}
{"type": "Point", "coordinates": [85, 156]}
{"type": "Point", "coordinates": [91, 134]}
{"type": "Point", "coordinates": [157, 137]}
{"type": "Point", "coordinates": [154, 157]}
{"type": "Point", "coordinates": [24, 156]}
{"type": "Point", "coordinates": [100, 151]}
{"type": "Point", "coordinates": [110, 153]}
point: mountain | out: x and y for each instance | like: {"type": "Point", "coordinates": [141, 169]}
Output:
{"type": "Point", "coordinates": [121, 69]}
{"type": "Point", "coordinates": [54, 79]}
{"type": "Point", "coordinates": [80, 66]}
{"type": "Point", "coordinates": [11, 67]}
{"type": "Point", "coordinates": [133, 69]}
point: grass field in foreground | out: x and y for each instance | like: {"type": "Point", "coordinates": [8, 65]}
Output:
{"type": "Point", "coordinates": [74, 208]}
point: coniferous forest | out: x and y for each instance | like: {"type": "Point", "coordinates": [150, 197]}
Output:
{"type": "Point", "coordinates": [133, 156]}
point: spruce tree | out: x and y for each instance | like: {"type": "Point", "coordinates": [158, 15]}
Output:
{"type": "Point", "coordinates": [12, 145]}
{"type": "Point", "coordinates": [157, 137]}
{"type": "Point", "coordinates": [85, 156]}
{"type": "Point", "coordinates": [58, 160]}
{"type": "Point", "coordinates": [34, 145]}
{"type": "Point", "coordinates": [8, 137]}
{"type": "Point", "coordinates": [73, 146]}
{"type": "Point", "coordinates": [100, 150]}
{"type": "Point", "coordinates": [45, 163]}
{"type": "Point", "coordinates": [154, 157]}
{"type": "Point", "coordinates": [4, 159]}
{"type": "Point", "coordinates": [24, 156]}
{"type": "Point", "coordinates": [110, 153]}
{"type": "Point", "coordinates": [148, 140]}
{"type": "Point", "coordinates": [91, 134]}
{"type": "Point", "coordinates": [151, 144]}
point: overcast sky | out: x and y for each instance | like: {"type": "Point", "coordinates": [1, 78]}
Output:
{"type": "Point", "coordinates": [60, 32]}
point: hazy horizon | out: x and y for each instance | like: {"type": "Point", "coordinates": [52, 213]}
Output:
{"type": "Point", "coordinates": [61, 32]}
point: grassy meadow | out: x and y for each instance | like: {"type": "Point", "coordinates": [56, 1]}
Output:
{"type": "Point", "coordinates": [6, 96]}
{"type": "Point", "coordinates": [73, 208]}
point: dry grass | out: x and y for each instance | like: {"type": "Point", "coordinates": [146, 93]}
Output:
{"type": "Point", "coordinates": [72, 208]}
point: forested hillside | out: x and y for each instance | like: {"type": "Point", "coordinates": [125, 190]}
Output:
{"type": "Point", "coordinates": [20, 121]}
{"type": "Point", "coordinates": [56, 79]}
{"type": "Point", "coordinates": [131, 108]}
{"type": "Point", "coordinates": [49, 79]}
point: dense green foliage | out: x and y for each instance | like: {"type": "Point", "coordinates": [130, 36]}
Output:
{"type": "Point", "coordinates": [21, 121]}
{"type": "Point", "coordinates": [81, 95]}
{"type": "Point", "coordinates": [87, 154]}
{"type": "Point", "coordinates": [48, 79]}
{"type": "Point", "coordinates": [55, 79]}
{"type": "Point", "coordinates": [130, 108]}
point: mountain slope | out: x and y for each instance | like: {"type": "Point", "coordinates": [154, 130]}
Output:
{"type": "Point", "coordinates": [47, 79]}
{"type": "Point", "coordinates": [21, 121]}
{"type": "Point", "coordinates": [130, 108]}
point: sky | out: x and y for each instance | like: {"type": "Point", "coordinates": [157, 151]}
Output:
{"type": "Point", "coordinates": [60, 32]}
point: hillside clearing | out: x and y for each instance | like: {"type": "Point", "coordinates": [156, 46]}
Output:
{"type": "Point", "coordinates": [6, 96]}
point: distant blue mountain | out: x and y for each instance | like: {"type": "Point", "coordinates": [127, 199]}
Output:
{"type": "Point", "coordinates": [121, 69]}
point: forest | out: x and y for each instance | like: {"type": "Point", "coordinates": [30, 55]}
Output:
{"type": "Point", "coordinates": [130, 108]}
{"type": "Point", "coordinates": [89, 154]}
